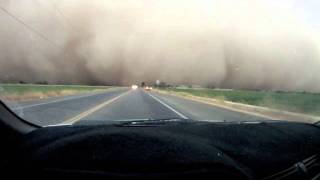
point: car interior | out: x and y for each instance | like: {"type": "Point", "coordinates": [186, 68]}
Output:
{"type": "Point", "coordinates": [160, 149]}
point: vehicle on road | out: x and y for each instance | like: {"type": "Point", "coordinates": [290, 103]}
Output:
{"type": "Point", "coordinates": [148, 88]}
{"type": "Point", "coordinates": [134, 87]}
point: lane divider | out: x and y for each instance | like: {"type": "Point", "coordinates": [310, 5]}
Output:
{"type": "Point", "coordinates": [92, 110]}
{"type": "Point", "coordinates": [169, 107]}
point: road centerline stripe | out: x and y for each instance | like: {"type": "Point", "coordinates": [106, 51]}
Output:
{"type": "Point", "coordinates": [169, 107]}
{"type": "Point", "coordinates": [92, 110]}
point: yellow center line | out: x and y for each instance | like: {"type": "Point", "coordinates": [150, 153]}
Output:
{"type": "Point", "coordinates": [92, 110]}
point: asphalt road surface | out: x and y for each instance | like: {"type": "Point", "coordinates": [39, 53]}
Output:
{"type": "Point", "coordinates": [120, 104]}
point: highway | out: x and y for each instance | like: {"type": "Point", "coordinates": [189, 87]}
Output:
{"type": "Point", "coordinates": [120, 104]}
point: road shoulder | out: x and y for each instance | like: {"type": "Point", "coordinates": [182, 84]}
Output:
{"type": "Point", "coordinates": [263, 112]}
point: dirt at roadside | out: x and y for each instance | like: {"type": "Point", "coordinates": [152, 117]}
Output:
{"type": "Point", "coordinates": [259, 111]}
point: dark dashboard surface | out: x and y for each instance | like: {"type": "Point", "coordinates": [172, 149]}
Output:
{"type": "Point", "coordinates": [227, 150]}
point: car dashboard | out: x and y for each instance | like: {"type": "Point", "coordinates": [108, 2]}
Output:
{"type": "Point", "coordinates": [266, 150]}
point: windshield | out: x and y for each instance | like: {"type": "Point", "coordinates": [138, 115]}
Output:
{"type": "Point", "coordinates": [75, 61]}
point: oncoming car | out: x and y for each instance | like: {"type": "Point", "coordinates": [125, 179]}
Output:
{"type": "Point", "coordinates": [134, 87]}
{"type": "Point", "coordinates": [148, 88]}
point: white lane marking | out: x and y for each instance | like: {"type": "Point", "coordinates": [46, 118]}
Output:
{"type": "Point", "coordinates": [169, 107]}
{"type": "Point", "coordinates": [142, 119]}
{"type": "Point", "coordinates": [92, 110]}
{"type": "Point", "coordinates": [55, 101]}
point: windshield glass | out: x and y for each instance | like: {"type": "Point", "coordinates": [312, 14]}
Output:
{"type": "Point", "coordinates": [76, 61]}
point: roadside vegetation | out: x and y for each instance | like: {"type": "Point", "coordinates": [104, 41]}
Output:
{"type": "Point", "coordinates": [299, 102]}
{"type": "Point", "coordinates": [20, 92]}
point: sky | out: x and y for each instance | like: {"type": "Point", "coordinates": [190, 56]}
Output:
{"type": "Point", "coordinates": [251, 44]}
{"type": "Point", "coordinates": [308, 11]}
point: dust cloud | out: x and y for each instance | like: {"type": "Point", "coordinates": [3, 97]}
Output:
{"type": "Point", "coordinates": [233, 44]}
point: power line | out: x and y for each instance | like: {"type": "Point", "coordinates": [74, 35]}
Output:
{"type": "Point", "coordinates": [58, 10]}
{"type": "Point", "coordinates": [64, 17]}
{"type": "Point", "coordinates": [29, 27]}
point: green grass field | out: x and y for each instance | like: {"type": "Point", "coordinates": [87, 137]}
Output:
{"type": "Point", "coordinates": [30, 91]}
{"type": "Point", "coordinates": [300, 102]}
